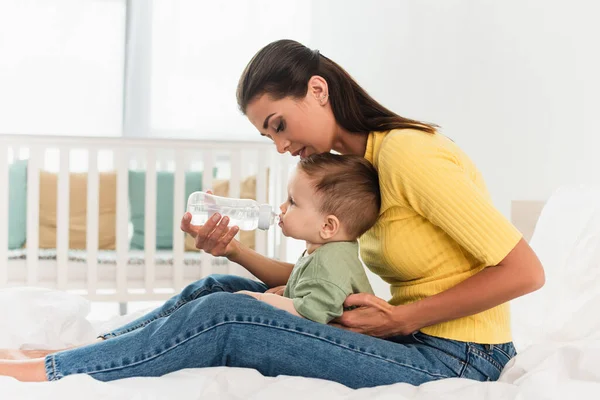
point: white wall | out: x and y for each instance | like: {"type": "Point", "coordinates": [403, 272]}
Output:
{"type": "Point", "coordinates": [514, 82]}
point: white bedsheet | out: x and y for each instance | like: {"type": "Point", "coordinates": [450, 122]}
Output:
{"type": "Point", "coordinates": [557, 332]}
{"type": "Point", "coordinates": [543, 371]}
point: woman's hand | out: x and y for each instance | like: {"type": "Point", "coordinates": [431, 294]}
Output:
{"type": "Point", "coordinates": [374, 317]}
{"type": "Point", "coordinates": [278, 290]}
{"type": "Point", "coordinates": [214, 237]}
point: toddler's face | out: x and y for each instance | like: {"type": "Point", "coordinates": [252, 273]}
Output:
{"type": "Point", "coordinates": [300, 216]}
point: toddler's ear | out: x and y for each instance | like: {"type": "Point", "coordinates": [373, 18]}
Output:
{"type": "Point", "coordinates": [330, 226]}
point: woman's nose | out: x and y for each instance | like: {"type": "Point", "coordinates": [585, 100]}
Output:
{"type": "Point", "coordinates": [282, 145]}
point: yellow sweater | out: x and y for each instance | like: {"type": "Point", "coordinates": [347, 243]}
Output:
{"type": "Point", "coordinates": [437, 227]}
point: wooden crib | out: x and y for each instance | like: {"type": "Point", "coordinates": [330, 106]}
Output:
{"type": "Point", "coordinates": [124, 274]}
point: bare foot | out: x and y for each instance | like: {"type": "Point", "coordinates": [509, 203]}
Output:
{"type": "Point", "coordinates": [24, 370]}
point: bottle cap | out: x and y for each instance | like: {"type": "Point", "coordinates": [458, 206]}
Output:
{"type": "Point", "coordinates": [264, 216]}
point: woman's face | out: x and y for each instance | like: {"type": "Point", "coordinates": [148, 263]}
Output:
{"type": "Point", "coordinates": [298, 126]}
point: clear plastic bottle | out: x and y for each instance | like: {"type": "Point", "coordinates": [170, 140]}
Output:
{"type": "Point", "coordinates": [247, 214]}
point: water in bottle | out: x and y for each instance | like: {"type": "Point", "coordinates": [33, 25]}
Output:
{"type": "Point", "coordinates": [247, 214]}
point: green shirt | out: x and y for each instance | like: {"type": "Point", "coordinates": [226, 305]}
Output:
{"type": "Point", "coordinates": [321, 281]}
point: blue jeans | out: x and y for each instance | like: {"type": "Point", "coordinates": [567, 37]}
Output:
{"type": "Point", "coordinates": [207, 326]}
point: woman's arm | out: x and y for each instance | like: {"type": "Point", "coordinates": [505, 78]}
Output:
{"type": "Point", "coordinates": [519, 273]}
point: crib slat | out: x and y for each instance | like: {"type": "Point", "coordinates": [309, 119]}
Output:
{"type": "Point", "coordinates": [273, 196]}
{"type": "Point", "coordinates": [33, 213]}
{"type": "Point", "coordinates": [260, 241]}
{"type": "Point", "coordinates": [236, 173]}
{"type": "Point", "coordinates": [122, 165]}
{"type": "Point", "coordinates": [150, 218]}
{"type": "Point", "coordinates": [235, 162]}
{"type": "Point", "coordinates": [179, 208]}
{"type": "Point", "coordinates": [284, 168]}
{"type": "Point", "coordinates": [208, 162]}
{"type": "Point", "coordinates": [93, 189]}
{"type": "Point", "coordinates": [62, 220]}
{"type": "Point", "coordinates": [4, 214]}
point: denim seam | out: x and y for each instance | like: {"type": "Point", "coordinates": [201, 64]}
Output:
{"type": "Point", "coordinates": [503, 352]}
{"type": "Point", "coordinates": [171, 310]}
{"type": "Point", "coordinates": [54, 373]}
{"type": "Point", "coordinates": [275, 327]}
{"type": "Point", "coordinates": [56, 368]}
{"type": "Point", "coordinates": [414, 336]}
{"type": "Point", "coordinates": [463, 362]}
{"type": "Point", "coordinates": [486, 357]}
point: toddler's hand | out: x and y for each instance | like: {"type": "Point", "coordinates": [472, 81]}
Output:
{"type": "Point", "coordinates": [278, 290]}
{"type": "Point", "coordinates": [256, 295]}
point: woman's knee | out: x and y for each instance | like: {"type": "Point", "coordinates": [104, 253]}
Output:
{"type": "Point", "coordinates": [227, 307]}
{"type": "Point", "coordinates": [225, 283]}
{"type": "Point", "coordinates": [208, 285]}
{"type": "Point", "coordinates": [221, 281]}
{"type": "Point", "coordinates": [223, 302]}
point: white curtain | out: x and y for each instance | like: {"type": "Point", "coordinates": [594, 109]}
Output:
{"type": "Point", "coordinates": [198, 50]}
{"type": "Point", "coordinates": [144, 68]}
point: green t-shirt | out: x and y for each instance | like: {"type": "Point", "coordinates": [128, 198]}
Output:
{"type": "Point", "coordinates": [321, 281]}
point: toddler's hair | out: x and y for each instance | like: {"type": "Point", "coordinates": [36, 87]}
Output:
{"type": "Point", "coordinates": [347, 187]}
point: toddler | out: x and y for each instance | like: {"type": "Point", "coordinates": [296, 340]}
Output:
{"type": "Point", "coordinates": [332, 200]}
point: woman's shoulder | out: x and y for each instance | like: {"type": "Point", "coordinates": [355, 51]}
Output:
{"type": "Point", "coordinates": [404, 146]}
{"type": "Point", "coordinates": [413, 138]}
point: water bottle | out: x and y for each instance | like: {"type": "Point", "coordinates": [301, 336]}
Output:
{"type": "Point", "coordinates": [247, 214]}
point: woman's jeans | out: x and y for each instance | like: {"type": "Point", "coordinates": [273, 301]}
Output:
{"type": "Point", "coordinates": [206, 325]}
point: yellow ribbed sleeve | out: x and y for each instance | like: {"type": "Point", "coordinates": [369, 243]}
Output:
{"type": "Point", "coordinates": [437, 227]}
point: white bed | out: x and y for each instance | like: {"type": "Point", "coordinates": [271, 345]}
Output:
{"type": "Point", "coordinates": [557, 333]}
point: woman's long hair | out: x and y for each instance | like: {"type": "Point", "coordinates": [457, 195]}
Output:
{"type": "Point", "coordinates": [283, 68]}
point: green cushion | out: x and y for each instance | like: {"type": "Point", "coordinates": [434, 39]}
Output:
{"type": "Point", "coordinates": [17, 204]}
{"type": "Point", "coordinates": [165, 183]}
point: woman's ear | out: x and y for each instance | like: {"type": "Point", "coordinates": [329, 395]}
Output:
{"type": "Point", "coordinates": [330, 227]}
{"type": "Point", "coordinates": [318, 89]}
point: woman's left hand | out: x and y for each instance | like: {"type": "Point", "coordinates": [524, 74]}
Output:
{"type": "Point", "coordinates": [374, 317]}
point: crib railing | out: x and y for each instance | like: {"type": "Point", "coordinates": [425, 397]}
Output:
{"type": "Point", "coordinates": [233, 161]}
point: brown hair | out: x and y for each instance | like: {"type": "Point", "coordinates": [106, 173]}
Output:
{"type": "Point", "coordinates": [283, 68]}
{"type": "Point", "coordinates": [347, 186]}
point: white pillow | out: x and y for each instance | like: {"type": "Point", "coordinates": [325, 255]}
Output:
{"type": "Point", "coordinates": [43, 319]}
{"type": "Point", "coordinates": [567, 241]}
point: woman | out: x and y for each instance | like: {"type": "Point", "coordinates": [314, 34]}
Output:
{"type": "Point", "coordinates": [452, 260]}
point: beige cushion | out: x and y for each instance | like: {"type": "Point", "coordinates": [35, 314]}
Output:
{"type": "Point", "coordinates": [525, 214]}
{"type": "Point", "coordinates": [78, 210]}
{"type": "Point", "coordinates": [247, 191]}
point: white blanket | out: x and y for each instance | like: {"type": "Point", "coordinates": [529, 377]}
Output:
{"type": "Point", "coordinates": [557, 332]}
